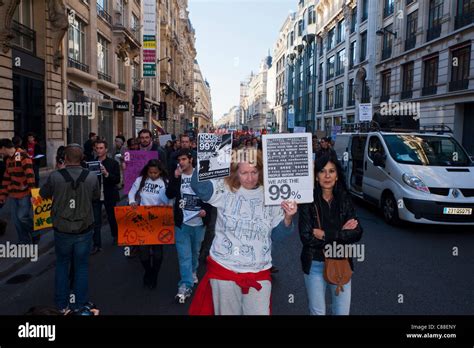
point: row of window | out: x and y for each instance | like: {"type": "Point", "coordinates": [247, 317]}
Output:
{"type": "Point", "coordinates": [464, 16]}
{"type": "Point", "coordinates": [77, 53]}
{"type": "Point", "coordinates": [459, 75]}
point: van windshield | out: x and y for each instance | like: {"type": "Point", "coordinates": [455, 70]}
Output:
{"type": "Point", "coordinates": [426, 150]}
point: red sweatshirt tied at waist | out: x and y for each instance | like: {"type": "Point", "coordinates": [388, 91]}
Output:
{"type": "Point", "coordinates": [202, 302]}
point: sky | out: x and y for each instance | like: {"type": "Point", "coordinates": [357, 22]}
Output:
{"type": "Point", "coordinates": [232, 38]}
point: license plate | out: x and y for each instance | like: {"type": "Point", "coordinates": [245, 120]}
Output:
{"type": "Point", "coordinates": [457, 211]}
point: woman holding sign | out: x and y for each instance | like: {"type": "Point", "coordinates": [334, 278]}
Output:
{"type": "Point", "coordinates": [149, 189]}
{"type": "Point", "coordinates": [325, 224]}
{"type": "Point", "coordinates": [238, 279]}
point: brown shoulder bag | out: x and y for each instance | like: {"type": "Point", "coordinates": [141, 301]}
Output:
{"type": "Point", "coordinates": [336, 271]}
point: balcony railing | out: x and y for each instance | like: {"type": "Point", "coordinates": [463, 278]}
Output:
{"type": "Point", "coordinates": [433, 32]}
{"type": "Point", "coordinates": [386, 52]}
{"type": "Point", "coordinates": [104, 14]}
{"type": "Point", "coordinates": [384, 98]}
{"type": "Point", "coordinates": [406, 94]}
{"type": "Point", "coordinates": [410, 43]}
{"type": "Point", "coordinates": [24, 37]}
{"type": "Point", "coordinates": [338, 104]}
{"type": "Point", "coordinates": [328, 107]}
{"type": "Point", "coordinates": [464, 19]}
{"type": "Point", "coordinates": [122, 86]}
{"type": "Point", "coordinates": [340, 71]}
{"type": "Point", "coordinates": [458, 85]}
{"type": "Point", "coordinates": [104, 76]}
{"type": "Point", "coordinates": [430, 90]}
{"type": "Point", "coordinates": [72, 63]}
{"type": "Point", "coordinates": [351, 102]}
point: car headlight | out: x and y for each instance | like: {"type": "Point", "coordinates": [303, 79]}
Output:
{"type": "Point", "coordinates": [415, 182]}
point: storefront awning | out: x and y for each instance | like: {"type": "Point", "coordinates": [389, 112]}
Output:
{"type": "Point", "coordinates": [87, 91]}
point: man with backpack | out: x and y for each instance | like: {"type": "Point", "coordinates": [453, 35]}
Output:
{"type": "Point", "coordinates": [72, 189]}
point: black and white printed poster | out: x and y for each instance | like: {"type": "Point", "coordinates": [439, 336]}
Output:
{"type": "Point", "coordinates": [214, 155]}
{"type": "Point", "coordinates": [288, 168]}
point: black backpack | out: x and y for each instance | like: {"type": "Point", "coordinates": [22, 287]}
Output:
{"type": "Point", "coordinates": [74, 216]}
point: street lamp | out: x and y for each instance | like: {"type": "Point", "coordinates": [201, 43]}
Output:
{"type": "Point", "coordinates": [381, 32]}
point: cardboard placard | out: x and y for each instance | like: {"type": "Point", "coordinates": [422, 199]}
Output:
{"type": "Point", "coordinates": [214, 155]}
{"type": "Point", "coordinates": [41, 211]}
{"type": "Point", "coordinates": [288, 170]}
{"type": "Point", "coordinates": [145, 225]}
{"type": "Point", "coordinates": [135, 161]}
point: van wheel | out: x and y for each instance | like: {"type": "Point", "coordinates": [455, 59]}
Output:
{"type": "Point", "coordinates": [390, 210]}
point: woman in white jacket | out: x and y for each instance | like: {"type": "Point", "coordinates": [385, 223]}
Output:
{"type": "Point", "coordinates": [149, 189]}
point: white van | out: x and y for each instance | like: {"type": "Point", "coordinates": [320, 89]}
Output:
{"type": "Point", "coordinates": [421, 177]}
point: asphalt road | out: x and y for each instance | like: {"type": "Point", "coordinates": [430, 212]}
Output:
{"type": "Point", "coordinates": [407, 270]}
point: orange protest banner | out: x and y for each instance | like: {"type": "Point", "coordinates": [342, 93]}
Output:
{"type": "Point", "coordinates": [145, 225]}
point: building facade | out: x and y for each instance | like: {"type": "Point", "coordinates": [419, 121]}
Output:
{"type": "Point", "coordinates": [255, 89]}
{"type": "Point", "coordinates": [202, 120]}
{"type": "Point", "coordinates": [425, 57]}
{"type": "Point", "coordinates": [73, 67]}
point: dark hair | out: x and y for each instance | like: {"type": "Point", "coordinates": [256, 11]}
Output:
{"type": "Point", "coordinates": [60, 154]}
{"type": "Point", "coordinates": [129, 142]}
{"type": "Point", "coordinates": [101, 141]}
{"type": "Point", "coordinates": [92, 134]}
{"type": "Point", "coordinates": [144, 173]}
{"type": "Point", "coordinates": [6, 143]}
{"type": "Point", "coordinates": [184, 152]}
{"type": "Point", "coordinates": [121, 137]}
{"type": "Point", "coordinates": [17, 141]}
{"type": "Point", "coordinates": [145, 131]}
{"type": "Point", "coordinates": [340, 187]}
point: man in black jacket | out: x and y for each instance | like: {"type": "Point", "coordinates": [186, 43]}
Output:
{"type": "Point", "coordinates": [190, 217]}
{"type": "Point", "coordinates": [109, 178]}
{"type": "Point", "coordinates": [185, 142]}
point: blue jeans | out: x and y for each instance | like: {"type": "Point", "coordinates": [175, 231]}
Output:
{"type": "Point", "coordinates": [188, 245]}
{"type": "Point", "coordinates": [22, 216]}
{"type": "Point", "coordinates": [316, 290]}
{"type": "Point", "coordinates": [73, 248]}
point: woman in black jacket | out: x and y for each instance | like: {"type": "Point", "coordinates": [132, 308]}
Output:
{"type": "Point", "coordinates": [338, 225]}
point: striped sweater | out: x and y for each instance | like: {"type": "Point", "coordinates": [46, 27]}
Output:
{"type": "Point", "coordinates": [19, 177]}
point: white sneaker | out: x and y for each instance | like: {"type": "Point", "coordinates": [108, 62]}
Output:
{"type": "Point", "coordinates": [195, 278]}
{"type": "Point", "coordinates": [183, 293]}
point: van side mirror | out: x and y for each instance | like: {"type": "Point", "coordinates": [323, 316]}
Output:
{"type": "Point", "coordinates": [379, 160]}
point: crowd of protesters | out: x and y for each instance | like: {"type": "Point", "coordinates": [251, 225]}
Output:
{"type": "Point", "coordinates": [225, 215]}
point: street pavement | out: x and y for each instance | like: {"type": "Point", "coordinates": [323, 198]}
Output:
{"type": "Point", "coordinates": [406, 270]}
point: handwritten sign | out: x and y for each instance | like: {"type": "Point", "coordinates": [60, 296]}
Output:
{"type": "Point", "coordinates": [145, 225]}
{"type": "Point", "coordinates": [135, 161]}
{"type": "Point", "coordinates": [41, 211]}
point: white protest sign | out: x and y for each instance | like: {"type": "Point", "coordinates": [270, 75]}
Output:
{"type": "Point", "coordinates": [288, 168]}
{"type": "Point", "coordinates": [365, 112]}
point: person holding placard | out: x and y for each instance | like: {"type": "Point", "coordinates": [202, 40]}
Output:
{"type": "Point", "coordinates": [190, 217]}
{"type": "Point", "coordinates": [238, 278]}
{"type": "Point", "coordinates": [149, 189]}
{"type": "Point", "coordinates": [329, 220]}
